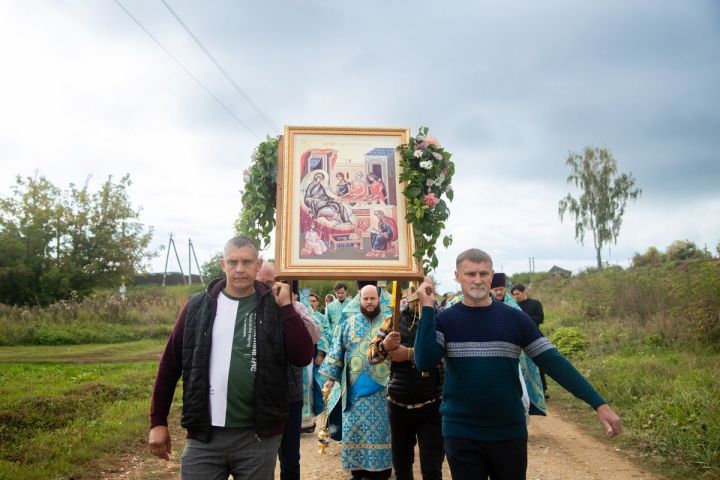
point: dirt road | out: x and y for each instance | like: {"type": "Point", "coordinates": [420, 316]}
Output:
{"type": "Point", "coordinates": [557, 450]}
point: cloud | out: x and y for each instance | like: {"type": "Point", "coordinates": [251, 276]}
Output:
{"type": "Point", "coordinates": [510, 91]}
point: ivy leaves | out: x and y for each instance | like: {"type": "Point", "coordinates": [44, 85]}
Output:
{"type": "Point", "coordinates": [427, 173]}
{"type": "Point", "coordinates": [257, 218]}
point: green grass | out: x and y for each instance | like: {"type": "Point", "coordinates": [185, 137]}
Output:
{"type": "Point", "coordinates": [667, 396]}
{"type": "Point", "coordinates": [149, 349]}
{"type": "Point", "coordinates": [65, 411]}
{"type": "Point", "coordinates": [654, 353]}
{"type": "Point", "coordinates": [148, 312]}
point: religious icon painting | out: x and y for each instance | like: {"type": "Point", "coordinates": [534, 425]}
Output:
{"type": "Point", "coordinates": [341, 212]}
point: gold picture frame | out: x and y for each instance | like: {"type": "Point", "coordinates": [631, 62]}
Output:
{"type": "Point", "coordinates": [340, 205]}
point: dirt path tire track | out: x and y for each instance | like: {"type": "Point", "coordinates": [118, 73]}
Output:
{"type": "Point", "coordinates": [557, 450]}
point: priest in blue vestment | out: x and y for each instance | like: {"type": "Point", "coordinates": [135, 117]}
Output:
{"type": "Point", "coordinates": [366, 448]}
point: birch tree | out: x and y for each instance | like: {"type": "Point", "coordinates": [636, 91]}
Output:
{"type": "Point", "coordinates": [604, 194]}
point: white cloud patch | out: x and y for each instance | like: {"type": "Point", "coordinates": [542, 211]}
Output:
{"type": "Point", "coordinates": [86, 92]}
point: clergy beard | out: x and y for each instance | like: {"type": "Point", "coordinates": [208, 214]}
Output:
{"type": "Point", "coordinates": [370, 313]}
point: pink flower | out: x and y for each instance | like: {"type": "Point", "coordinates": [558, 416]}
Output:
{"type": "Point", "coordinates": [431, 200]}
{"type": "Point", "coordinates": [432, 140]}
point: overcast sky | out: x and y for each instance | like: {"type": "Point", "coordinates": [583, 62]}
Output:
{"type": "Point", "coordinates": [508, 87]}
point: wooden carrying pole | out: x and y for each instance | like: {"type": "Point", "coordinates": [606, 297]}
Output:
{"type": "Point", "coordinates": [396, 308]}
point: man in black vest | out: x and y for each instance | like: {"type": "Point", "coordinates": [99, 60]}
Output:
{"type": "Point", "coordinates": [414, 397]}
{"type": "Point", "coordinates": [289, 452]}
{"type": "Point", "coordinates": [534, 309]}
{"type": "Point", "coordinates": [231, 344]}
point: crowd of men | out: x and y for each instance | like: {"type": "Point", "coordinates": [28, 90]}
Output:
{"type": "Point", "coordinates": [457, 379]}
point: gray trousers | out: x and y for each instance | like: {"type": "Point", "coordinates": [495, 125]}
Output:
{"type": "Point", "coordinates": [232, 451]}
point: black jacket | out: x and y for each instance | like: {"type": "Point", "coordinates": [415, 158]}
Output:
{"type": "Point", "coordinates": [534, 310]}
{"type": "Point", "coordinates": [281, 337]}
{"type": "Point", "coordinates": [406, 384]}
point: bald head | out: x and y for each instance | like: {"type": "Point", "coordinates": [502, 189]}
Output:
{"type": "Point", "coordinates": [369, 301]}
{"type": "Point", "coordinates": [266, 274]}
{"type": "Point", "coordinates": [368, 291]}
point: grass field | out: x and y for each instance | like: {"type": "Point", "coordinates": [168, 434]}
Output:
{"type": "Point", "coordinates": [65, 410]}
{"type": "Point", "coordinates": [76, 377]}
{"type": "Point", "coordinates": [667, 398]}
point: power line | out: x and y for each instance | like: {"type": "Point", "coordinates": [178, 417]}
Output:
{"type": "Point", "coordinates": [207, 90]}
{"type": "Point", "coordinates": [222, 70]}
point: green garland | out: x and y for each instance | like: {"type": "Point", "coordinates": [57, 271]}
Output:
{"type": "Point", "coordinates": [427, 172]}
{"type": "Point", "coordinates": [259, 198]}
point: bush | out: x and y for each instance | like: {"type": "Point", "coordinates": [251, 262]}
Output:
{"type": "Point", "coordinates": [651, 257]}
{"type": "Point", "coordinates": [684, 250]}
{"type": "Point", "coordinates": [211, 269]}
{"type": "Point", "coordinates": [569, 340]}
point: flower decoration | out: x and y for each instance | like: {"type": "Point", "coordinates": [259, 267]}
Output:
{"type": "Point", "coordinates": [257, 218]}
{"type": "Point", "coordinates": [427, 172]}
{"type": "Point", "coordinates": [431, 200]}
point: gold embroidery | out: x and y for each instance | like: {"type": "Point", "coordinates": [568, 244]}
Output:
{"type": "Point", "coordinates": [369, 446]}
{"type": "Point", "coordinates": [334, 361]}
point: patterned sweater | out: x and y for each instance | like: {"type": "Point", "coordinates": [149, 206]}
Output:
{"type": "Point", "coordinates": [481, 345]}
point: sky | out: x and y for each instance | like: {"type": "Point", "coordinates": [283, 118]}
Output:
{"type": "Point", "coordinates": [509, 88]}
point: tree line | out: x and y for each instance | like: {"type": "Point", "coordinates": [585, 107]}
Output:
{"type": "Point", "coordinates": [57, 241]}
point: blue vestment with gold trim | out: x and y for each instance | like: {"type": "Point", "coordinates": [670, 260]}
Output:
{"type": "Point", "coordinates": [360, 390]}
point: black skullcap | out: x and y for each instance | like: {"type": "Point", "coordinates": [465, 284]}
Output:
{"type": "Point", "coordinates": [498, 280]}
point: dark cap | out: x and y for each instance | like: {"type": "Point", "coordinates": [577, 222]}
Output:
{"type": "Point", "coordinates": [498, 280]}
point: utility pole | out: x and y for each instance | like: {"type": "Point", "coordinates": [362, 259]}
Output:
{"type": "Point", "coordinates": [191, 251]}
{"type": "Point", "coordinates": [171, 243]}
{"type": "Point", "coordinates": [202, 280]}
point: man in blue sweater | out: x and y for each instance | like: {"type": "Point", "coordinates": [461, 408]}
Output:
{"type": "Point", "coordinates": [484, 426]}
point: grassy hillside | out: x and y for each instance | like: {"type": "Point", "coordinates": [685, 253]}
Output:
{"type": "Point", "coordinates": [652, 348]}
{"type": "Point", "coordinates": [75, 385]}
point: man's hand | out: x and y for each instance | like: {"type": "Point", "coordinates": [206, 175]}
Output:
{"type": "Point", "coordinates": [281, 292]}
{"type": "Point", "coordinates": [401, 354]}
{"type": "Point", "coordinates": [159, 442]}
{"type": "Point", "coordinates": [426, 294]}
{"type": "Point", "coordinates": [391, 341]}
{"type": "Point", "coordinates": [329, 384]}
{"type": "Point", "coordinates": [319, 359]}
{"type": "Point", "coordinates": [609, 420]}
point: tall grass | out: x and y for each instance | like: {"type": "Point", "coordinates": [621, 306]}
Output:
{"type": "Point", "coordinates": [677, 301]}
{"type": "Point", "coordinates": [654, 354]}
{"type": "Point", "coordinates": [668, 403]}
{"type": "Point", "coordinates": [147, 312]}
